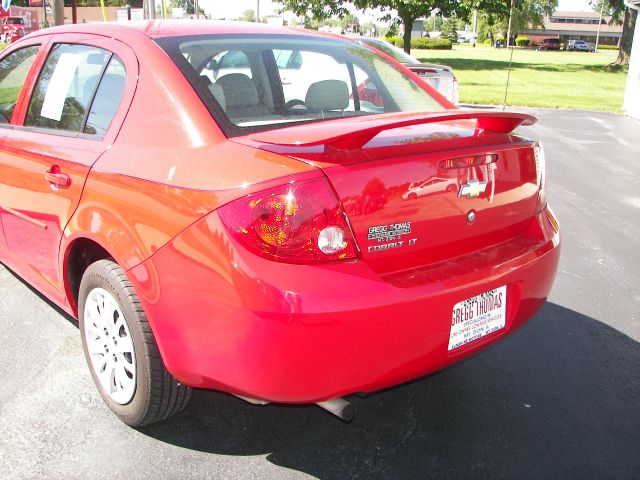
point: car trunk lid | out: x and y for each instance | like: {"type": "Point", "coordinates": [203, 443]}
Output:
{"type": "Point", "coordinates": [420, 189]}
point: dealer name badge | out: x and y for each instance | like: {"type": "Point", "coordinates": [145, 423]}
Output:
{"type": "Point", "coordinates": [390, 236]}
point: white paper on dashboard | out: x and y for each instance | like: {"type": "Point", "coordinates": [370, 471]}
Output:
{"type": "Point", "coordinates": [59, 86]}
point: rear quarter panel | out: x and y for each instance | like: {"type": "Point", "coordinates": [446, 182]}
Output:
{"type": "Point", "coordinates": [169, 166]}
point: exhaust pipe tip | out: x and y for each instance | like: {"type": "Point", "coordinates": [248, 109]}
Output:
{"type": "Point", "coordinates": [339, 407]}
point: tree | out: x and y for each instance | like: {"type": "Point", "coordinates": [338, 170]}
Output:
{"type": "Point", "coordinates": [407, 10]}
{"type": "Point", "coordinates": [450, 29]}
{"type": "Point", "coordinates": [187, 5]}
{"type": "Point", "coordinates": [248, 16]}
{"type": "Point", "coordinates": [496, 13]}
{"type": "Point", "coordinates": [620, 14]}
{"type": "Point", "coordinates": [58, 12]}
{"type": "Point", "coordinates": [349, 23]}
{"type": "Point", "coordinates": [626, 41]}
{"type": "Point", "coordinates": [488, 27]}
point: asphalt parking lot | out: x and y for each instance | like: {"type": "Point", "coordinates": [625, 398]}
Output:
{"type": "Point", "coordinates": [558, 399]}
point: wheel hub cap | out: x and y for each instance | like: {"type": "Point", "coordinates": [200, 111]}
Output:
{"type": "Point", "coordinates": [110, 345]}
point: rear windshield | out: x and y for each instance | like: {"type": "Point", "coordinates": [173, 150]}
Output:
{"type": "Point", "coordinates": [15, 21]}
{"type": "Point", "coordinates": [263, 82]}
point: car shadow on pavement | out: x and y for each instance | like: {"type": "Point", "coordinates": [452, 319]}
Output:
{"type": "Point", "coordinates": [558, 399]}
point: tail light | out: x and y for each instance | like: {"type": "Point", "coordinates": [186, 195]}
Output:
{"type": "Point", "coordinates": [553, 220]}
{"type": "Point", "coordinates": [538, 153]}
{"type": "Point", "coordinates": [300, 222]}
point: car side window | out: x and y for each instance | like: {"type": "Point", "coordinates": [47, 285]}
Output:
{"type": "Point", "coordinates": [13, 73]}
{"type": "Point", "coordinates": [66, 86]}
{"type": "Point", "coordinates": [107, 98]}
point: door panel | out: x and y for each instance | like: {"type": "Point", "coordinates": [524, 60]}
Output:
{"type": "Point", "coordinates": [35, 210]}
{"type": "Point", "coordinates": [17, 69]}
{"type": "Point", "coordinates": [47, 156]}
{"type": "Point", "coordinates": [4, 251]}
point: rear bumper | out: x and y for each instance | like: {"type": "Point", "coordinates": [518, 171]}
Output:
{"type": "Point", "coordinates": [225, 319]}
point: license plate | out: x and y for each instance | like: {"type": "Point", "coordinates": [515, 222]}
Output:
{"type": "Point", "coordinates": [477, 317]}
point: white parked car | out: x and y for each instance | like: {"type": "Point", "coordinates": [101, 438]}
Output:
{"type": "Point", "coordinates": [427, 187]}
{"type": "Point", "coordinates": [440, 77]}
{"type": "Point", "coordinates": [578, 46]}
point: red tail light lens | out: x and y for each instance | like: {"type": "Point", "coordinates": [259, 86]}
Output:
{"type": "Point", "coordinates": [301, 222]}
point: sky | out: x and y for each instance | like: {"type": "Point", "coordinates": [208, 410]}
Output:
{"type": "Point", "coordinates": [234, 8]}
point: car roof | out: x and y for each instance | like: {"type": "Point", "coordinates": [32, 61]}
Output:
{"type": "Point", "coordinates": [175, 28]}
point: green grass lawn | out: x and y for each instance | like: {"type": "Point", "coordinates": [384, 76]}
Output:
{"type": "Point", "coordinates": [577, 80]}
{"type": "Point", "coordinates": [552, 79]}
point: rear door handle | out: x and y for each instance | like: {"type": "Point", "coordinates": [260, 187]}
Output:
{"type": "Point", "coordinates": [57, 178]}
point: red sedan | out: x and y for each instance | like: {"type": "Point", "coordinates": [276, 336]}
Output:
{"type": "Point", "coordinates": [220, 209]}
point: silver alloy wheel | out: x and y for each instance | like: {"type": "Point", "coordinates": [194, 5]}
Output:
{"type": "Point", "coordinates": [110, 345]}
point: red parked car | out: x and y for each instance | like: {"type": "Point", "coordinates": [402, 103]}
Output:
{"type": "Point", "coordinates": [212, 226]}
{"type": "Point", "coordinates": [550, 44]}
{"type": "Point", "coordinates": [12, 28]}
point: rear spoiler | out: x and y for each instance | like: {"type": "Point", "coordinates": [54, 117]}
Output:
{"type": "Point", "coordinates": [352, 133]}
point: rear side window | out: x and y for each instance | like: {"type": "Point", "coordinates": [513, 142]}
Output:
{"type": "Point", "coordinates": [79, 90]}
{"type": "Point", "coordinates": [13, 73]}
{"type": "Point", "coordinates": [107, 99]}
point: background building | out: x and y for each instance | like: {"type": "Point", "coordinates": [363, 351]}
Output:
{"type": "Point", "coordinates": [576, 26]}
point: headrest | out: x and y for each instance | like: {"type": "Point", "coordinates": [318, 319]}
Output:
{"type": "Point", "coordinates": [239, 90]}
{"type": "Point", "coordinates": [327, 95]}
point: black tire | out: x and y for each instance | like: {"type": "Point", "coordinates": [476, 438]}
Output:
{"type": "Point", "coordinates": [157, 394]}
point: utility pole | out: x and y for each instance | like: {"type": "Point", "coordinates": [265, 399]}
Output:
{"type": "Point", "coordinates": [509, 27]}
{"type": "Point", "coordinates": [475, 27]}
{"type": "Point", "coordinates": [257, 11]}
{"type": "Point", "coordinates": [595, 50]}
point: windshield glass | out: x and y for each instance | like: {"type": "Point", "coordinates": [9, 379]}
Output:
{"type": "Point", "coordinates": [263, 82]}
{"type": "Point", "coordinates": [394, 52]}
{"type": "Point", "coordinates": [16, 21]}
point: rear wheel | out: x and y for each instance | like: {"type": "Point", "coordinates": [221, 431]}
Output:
{"type": "Point", "coordinates": [121, 351]}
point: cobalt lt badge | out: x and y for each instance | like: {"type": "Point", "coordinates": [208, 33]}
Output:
{"type": "Point", "coordinates": [472, 189]}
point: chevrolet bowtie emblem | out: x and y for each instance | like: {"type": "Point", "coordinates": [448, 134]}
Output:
{"type": "Point", "coordinates": [473, 188]}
